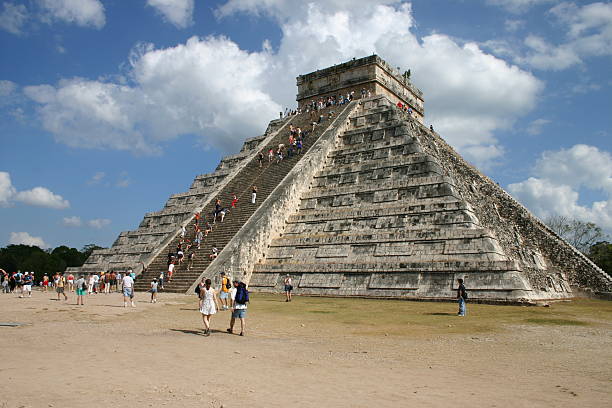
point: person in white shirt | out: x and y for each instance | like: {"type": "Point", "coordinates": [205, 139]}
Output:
{"type": "Point", "coordinates": [128, 290]}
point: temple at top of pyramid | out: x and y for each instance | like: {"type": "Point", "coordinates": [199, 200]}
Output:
{"type": "Point", "coordinates": [371, 204]}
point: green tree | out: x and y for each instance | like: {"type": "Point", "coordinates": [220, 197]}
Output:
{"type": "Point", "coordinates": [581, 235]}
{"type": "Point", "coordinates": [71, 256]}
{"type": "Point", "coordinates": [601, 254]}
{"type": "Point", "coordinates": [88, 249]}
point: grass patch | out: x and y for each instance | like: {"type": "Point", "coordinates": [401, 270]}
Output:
{"type": "Point", "coordinates": [422, 319]}
{"type": "Point", "coordinates": [556, 322]}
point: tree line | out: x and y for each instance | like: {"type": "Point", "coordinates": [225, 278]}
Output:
{"type": "Point", "coordinates": [29, 258]}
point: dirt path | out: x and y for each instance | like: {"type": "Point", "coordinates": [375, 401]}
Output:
{"type": "Point", "coordinates": [311, 352]}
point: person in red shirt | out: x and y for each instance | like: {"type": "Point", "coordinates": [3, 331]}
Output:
{"type": "Point", "coordinates": [234, 200]}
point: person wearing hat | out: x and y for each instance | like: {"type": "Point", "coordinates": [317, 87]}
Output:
{"type": "Point", "coordinates": [288, 288]}
{"type": "Point", "coordinates": [224, 292]}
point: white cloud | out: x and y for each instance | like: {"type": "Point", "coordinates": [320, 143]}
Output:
{"type": "Point", "coordinates": [13, 17]}
{"type": "Point", "coordinates": [535, 127]}
{"type": "Point", "coordinates": [73, 221]}
{"type": "Point", "coordinates": [580, 165]}
{"type": "Point", "coordinates": [23, 238]}
{"type": "Point", "coordinates": [326, 33]}
{"type": "Point", "coordinates": [98, 223]}
{"type": "Point", "coordinates": [560, 175]}
{"type": "Point", "coordinates": [7, 88]}
{"type": "Point", "coordinates": [80, 12]}
{"type": "Point", "coordinates": [38, 196]}
{"type": "Point", "coordinates": [212, 88]}
{"type": "Point", "coordinates": [177, 12]}
{"type": "Point", "coordinates": [208, 87]}
{"type": "Point", "coordinates": [588, 31]}
{"type": "Point", "coordinates": [42, 197]}
{"type": "Point", "coordinates": [7, 191]}
{"type": "Point", "coordinates": [519, 6]}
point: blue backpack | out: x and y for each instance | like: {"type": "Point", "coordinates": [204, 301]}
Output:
{"type": "Point", "coordinates": [242, 295]}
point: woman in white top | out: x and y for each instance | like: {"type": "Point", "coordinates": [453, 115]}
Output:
{"type": "Point", "coordinates": [208, 304]}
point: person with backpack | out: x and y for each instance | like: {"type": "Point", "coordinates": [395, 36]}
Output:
{"type": "Point", "coordinates": [240, 298]}
{"type": "Point", "coordinates": [462, 297]}
{"type": "Point", "coordinates": [226, 285]}
{"type": "Point", "coordinates": [81, 290]}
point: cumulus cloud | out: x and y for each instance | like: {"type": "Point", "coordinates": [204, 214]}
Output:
{"type": "Point", "coordinates": [98, 223]}
{"type": "Point", "coordinates": [13, 17]}
{"type": "Point", "coordinates": [42, 197]}
{"type": "Point", "coordinates": [23, 238]}
{"type": "Point", "coordinates": [558, 178]}
{"type": "Point", "coordinates": [7, 191]}
{"type": "Point", "coordinates": [80, 12]}
{"type": "Point", "coordinates": [73, 221]}
{"type": "Point", "coordinates": [177, 12]}
{"type": "Point", "coordinates": [588, 31]}
{"type": "Point", "coordinates": [38, 196]}
{"type": "Point", "coordinates": [212, 88]}
{"type": "Point", "coordinates": [207, 86]}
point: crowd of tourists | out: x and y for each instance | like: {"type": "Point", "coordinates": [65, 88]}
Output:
{"type": "Point", "coordinates": [21, 283]}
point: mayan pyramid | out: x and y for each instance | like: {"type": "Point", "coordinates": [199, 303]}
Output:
{"type": "Point", "coordinates": [376, 205]}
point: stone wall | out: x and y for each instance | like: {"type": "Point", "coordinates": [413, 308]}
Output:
{"type": "Point", "coordinates": [550, 263]}
{"type": "Point", "coordinates": [371, 73]}
{"type": "Point", "coordinates": [251, 242]}
{"type": "Point", "coordinates": [133, 249]}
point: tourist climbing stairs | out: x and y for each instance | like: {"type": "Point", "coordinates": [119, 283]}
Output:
{"type": "Point", "coordinates": [266, 178]}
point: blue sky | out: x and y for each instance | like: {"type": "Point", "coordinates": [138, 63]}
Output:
{"type": "Point", "coordinates": [109, 106]}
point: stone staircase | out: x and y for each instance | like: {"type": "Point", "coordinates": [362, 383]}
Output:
{"type": "Point", "coordinates": [266, 178]}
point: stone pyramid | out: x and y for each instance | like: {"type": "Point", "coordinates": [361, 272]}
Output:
{"type": "Point", "coordinates": [378, 206]}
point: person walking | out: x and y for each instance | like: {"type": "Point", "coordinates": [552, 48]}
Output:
{"type": "Point", "coordinates": [161, 280]}
{"type": "Point", "coordinates": [208, 304]}
{"type": "Point", "coordinates": [45, 282]}
{"type": "Point", "coordinates": [240, 298]}
{"type": "Point", "coordinates": [70, 281]}
{"type": "Point", "coordinates": [60, 286]}
{"type": "Point", "coordinates": [170, 270]}
{"type": "Point", "coordinates": [224, 292]}
{"type": "Point", "coordinates": [462, 297]}
{"type": "Point", "coordinates": [81, 290]}
{"type": "Point", "coordinates": [154, 285]}
{"type": "Point", "coordinates": [26, 289]}
{"type": "Point", "coordinates": [128, 290]}
{"type": "Point", "coordinates": [288, 288]}
{"type": "Point", "coordinates": [254, 194]}
{"type": "Point", "coordinates": [107, 282]}
{"type": "Point", "coordinates": [190, 259]}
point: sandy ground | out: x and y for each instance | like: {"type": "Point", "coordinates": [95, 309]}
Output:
{"type": "Point", "coordinates": [307, 353]}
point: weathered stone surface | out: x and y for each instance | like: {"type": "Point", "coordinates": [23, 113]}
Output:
{"type": "Point", "coordinates": [379, 206]}
{"type": "Point", "coordinates": [395, 212]}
